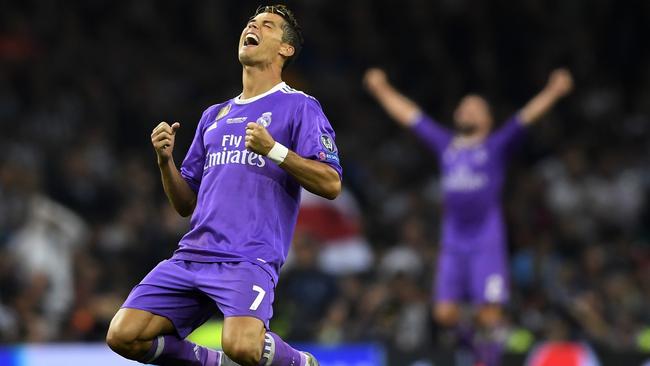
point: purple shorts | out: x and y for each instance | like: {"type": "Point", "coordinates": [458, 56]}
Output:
{"type": "Point", "coordinates": [188, 293]}
{"type": "Point", "coordinates": [476, 277]}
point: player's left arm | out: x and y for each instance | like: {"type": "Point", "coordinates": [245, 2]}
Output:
{"type": "Point", "coordinates": [315, 176]}
{"type": "Point", "coordinates": [560, 83]}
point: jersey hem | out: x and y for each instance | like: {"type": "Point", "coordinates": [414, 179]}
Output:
{"type": "Point", "coordinates": [204, 259]}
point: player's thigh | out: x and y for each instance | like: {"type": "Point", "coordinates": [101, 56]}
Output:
{"type": "Point", "coordinates": [169, 291]}
{"type": "Point", "coordinates": [450, 278]}
{"type": "Point", "coordinates": [129, 325]}
{"type": "Point", "coordinates": [240, 289]}
{"type": "Point", "coordinates": [489, 278]}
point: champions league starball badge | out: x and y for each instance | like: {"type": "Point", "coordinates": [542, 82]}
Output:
{"type": "Point", "coordinates": [265, 119]}
{"type": "Point", "coordinates": [327, 143]}
{"type": "Point", "coordinates": [330, 153]}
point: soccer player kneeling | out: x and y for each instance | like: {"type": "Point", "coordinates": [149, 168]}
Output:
{"type": "Point", "coordinates": [240, 181]}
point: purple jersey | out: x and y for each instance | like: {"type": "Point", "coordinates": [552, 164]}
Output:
{"type": "Point", "coordinates": [472, 179]}
{"type": "Point", "coordinates": [247, 205]}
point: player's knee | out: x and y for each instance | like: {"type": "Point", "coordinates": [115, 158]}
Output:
{"type": "Point", "coordinates": [489, 316]}
{"type": "Point", "coordinates": [243, 350]}
{"type": "Point", "coordinates": [117, 340]}
{"type": "Point", "coordinates": [123, 341]}
{"type": "Point", "coordinates": [446, 315]}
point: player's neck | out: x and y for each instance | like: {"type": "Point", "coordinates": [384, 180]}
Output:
{"type": "Point", "coordinates": [258, 80]}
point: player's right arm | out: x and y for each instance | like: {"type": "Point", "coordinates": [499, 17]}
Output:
{"type": "Point", "coordinates": [398, 106]}
{"type": "Point", "coordinates": [178, 191]}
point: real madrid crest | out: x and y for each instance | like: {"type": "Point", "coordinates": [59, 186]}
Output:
{"type": "Point", "coordinates": [265, 119]}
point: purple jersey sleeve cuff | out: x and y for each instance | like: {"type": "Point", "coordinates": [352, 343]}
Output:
{"type": "Point", "coordinates": [516, 119]}
{"type": "Point", "coordinates": [194, 185]}
{"type": "Point", "coordinates": [432, 134]}
{"type": "Point", "coordinates": [419, 120]}
{"type": "Point", "coordinates": [511, 135]}
{"type": "Point", "coordinates": [329, 158]}
{"type": "Point", "coordinates": [515, 126]}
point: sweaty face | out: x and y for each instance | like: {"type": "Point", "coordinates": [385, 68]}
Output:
{"type": "Point", "coordinates": [473, 115]}
{"type": "Point", "coordinates": [261, 40]}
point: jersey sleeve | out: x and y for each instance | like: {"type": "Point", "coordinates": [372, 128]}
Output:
{"type": "Point", "coordinates": [509, 136]}
{"type": "Point", "coordinates": [313, 136]}
{"type": "Point", "coordinates": [192, 166]}
{"type": "Point", "coordinates": [431, 133]}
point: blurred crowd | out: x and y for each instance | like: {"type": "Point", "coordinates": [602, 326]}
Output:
{"type": "Point", "coordinates": [83, 216]}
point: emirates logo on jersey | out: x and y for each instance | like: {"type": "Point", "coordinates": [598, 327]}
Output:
{"type": "Point", "coordinates": [464, 179]}
{"type": "Point", "coordinates": [233, 151]}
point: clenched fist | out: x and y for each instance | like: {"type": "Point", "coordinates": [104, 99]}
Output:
{"type": "Point", "coordinates": [162, 139]}
{"type": "Point", "coordinates": [258, 139]}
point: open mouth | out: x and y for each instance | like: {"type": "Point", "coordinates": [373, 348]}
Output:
{"type": "Point", "coordinates": [251, 39]}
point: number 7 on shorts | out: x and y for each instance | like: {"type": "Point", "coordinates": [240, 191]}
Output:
{"type": "Point", "coordinates": [258, 299]}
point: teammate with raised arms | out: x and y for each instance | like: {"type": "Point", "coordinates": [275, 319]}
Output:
{"type": "Point", "coordinates": [472, 263]}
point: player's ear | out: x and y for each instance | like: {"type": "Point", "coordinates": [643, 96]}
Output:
{"type": "Point", "coordinates": [287, 50]}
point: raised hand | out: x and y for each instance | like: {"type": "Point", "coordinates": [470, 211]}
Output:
{"type": "Point", "coordinates": [374, 79]}
{"type": "Point", "coordinates": [560, 82]}
{"type": "Point", "coordinates": [162, 139]}
{"type": "Point", "coordinates": [399, 107]}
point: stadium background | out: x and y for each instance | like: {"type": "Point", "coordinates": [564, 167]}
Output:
{"type": "Point", "coordinates": [83, 216]}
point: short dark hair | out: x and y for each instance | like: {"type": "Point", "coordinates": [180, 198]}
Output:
{"type": "Point", "coordinates": [292, 31]}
